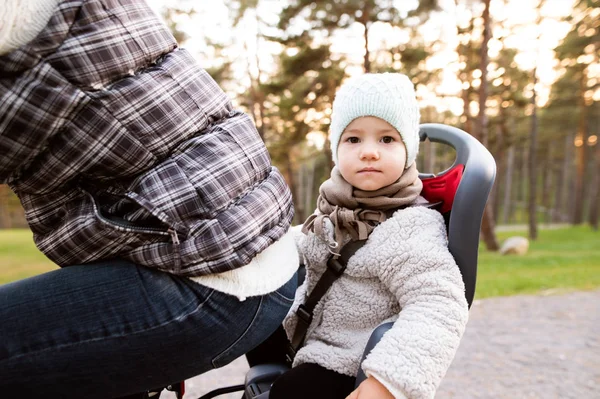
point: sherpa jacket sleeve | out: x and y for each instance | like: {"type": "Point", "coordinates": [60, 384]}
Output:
{"type": "Point", "coordinates": [299, 236]}
{"type": "Point", "coordinates": [413, 356]}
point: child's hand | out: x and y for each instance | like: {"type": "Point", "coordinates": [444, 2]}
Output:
{"type": "Point", "coordinates": [370, 389]}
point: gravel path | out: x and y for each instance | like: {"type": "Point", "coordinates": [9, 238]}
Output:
{"type": "Point", "coordinates": [544, 346]}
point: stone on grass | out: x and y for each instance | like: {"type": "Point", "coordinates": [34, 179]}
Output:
{"type": "Point", "coordinates": [515, 246]}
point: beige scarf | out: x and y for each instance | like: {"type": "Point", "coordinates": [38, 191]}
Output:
{"type": "Point", "coordinates": [358, 212]}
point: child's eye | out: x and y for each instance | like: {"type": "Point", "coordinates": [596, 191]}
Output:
{"type": "Point", "coordinates": [387, 139]}
{"type": "Point", "coordinates": [353, 140]}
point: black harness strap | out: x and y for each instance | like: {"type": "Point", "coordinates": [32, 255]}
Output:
{"type": "Point", "coordinates": [335, 268]}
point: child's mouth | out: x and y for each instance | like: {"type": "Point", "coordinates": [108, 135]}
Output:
{"type": "Point", "coordinates": [368, 170]}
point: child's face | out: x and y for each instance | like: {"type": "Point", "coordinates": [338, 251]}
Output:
{"type": "Point", "coordinates": [371, 154]}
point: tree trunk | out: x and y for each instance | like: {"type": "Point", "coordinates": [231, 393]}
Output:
{"type": "Point", "coordinates": [252, 94]}
{"type": "Point", "coordinates": [546, 175]}
{"type": "Point", "coordinates": [569, 205]}
{"type": "Point", "coordinates": [532, 200]}
{"type": "Point", "coordinates": [487, 225]}
{"type": "Point", "coordinates": [561, 173]}
{"type": "Point", "coordinates": [484, 86]}
{"type": "Point", "coordinates": [260, 98]}
{"type": "Point", "coordinates": [364, 20]}
{"type": "Point", "coordinates": [595, 197]}
{"type": "Point", "coordinates": [488, 233]}
{"type": "Point", "coordinates": [300, 196]}
{"type": "Point", "coordinates": [500, 171]}
{"type": "Point", "coordinates": [566, 199]}
{"type": "Point", "coordinates": [521, 179]}
{"type": "Point", "coordinates": [506, 202]}
{"type": "Point", "coordinates": [255, 102]}
{"type": "Point", "coordinates": [467, 126]}
{"type": "Point", "coordinates": [367, 65]}
{"type": "Point", "coordinates": [581, 155]}
{"type": "Point", "coordinates": [288, 174]}
{"type": "Point", "coordinates": [310, 188]}
{"type": "Point", "coordinates": [548, 182]}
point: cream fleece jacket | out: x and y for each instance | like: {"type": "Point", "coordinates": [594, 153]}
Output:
{"type": "Point", "coordinates": [20, 22]}
{"type": "Point", "coordinates": [405, 274]}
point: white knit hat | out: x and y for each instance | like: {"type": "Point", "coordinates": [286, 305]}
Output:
{"type": "Point", "coordinates": [389, 96]}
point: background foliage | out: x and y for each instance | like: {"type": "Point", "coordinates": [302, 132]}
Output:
{"type": "Point", "coordinates": [463, 59]}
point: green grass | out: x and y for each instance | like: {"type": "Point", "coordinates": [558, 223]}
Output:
{"type": "Point", "coordinates": [560, 260]}
{"type": "Point", "coordinates": [19, 258]}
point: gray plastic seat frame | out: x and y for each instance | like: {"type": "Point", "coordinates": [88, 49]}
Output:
{"type": "Point", "coordinates": [470, 199]}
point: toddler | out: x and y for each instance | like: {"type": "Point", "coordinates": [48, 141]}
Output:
{"type": "Point", "coordinates": [403, 273]}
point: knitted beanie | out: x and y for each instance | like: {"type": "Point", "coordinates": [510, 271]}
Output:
{"type": "Point", "coordinates": [389, 96]}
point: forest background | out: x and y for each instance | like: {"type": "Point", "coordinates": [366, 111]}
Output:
{"type": "Point", "coordinates": [522, 76]}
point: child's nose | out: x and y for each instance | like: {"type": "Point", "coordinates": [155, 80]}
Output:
{"type": "Point", "coordinates": [369, 152]}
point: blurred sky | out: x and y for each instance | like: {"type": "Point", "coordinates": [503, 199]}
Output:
{"type": "Point", "coordinates": [518, 17]}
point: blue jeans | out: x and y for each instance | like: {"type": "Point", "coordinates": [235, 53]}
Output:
{"type": "Point", "coordinates": [109, 329]}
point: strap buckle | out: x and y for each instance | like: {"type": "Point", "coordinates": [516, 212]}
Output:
{"type": "Point", "coordinates": [304, 314]}
{"type": "Point", "coordinates": [336, 266]}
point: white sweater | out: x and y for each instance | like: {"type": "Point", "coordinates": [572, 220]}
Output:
{"type": "Point", "coordinates": [404, 273]}
{"type": "Point", "coordinates": [20, 22]}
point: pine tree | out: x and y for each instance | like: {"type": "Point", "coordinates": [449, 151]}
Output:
{"type": "Point", "coordinates": [577, 53]}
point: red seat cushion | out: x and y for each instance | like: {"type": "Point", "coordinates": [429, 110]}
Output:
{"type": "Point", "coordinates": [443, 188]}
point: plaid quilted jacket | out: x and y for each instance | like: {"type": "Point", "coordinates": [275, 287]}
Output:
{"type": "Point", "coordinates": [119, 145]}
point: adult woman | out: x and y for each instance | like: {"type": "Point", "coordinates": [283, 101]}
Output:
{"type": "Point", "coordinates": [136, 172]}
